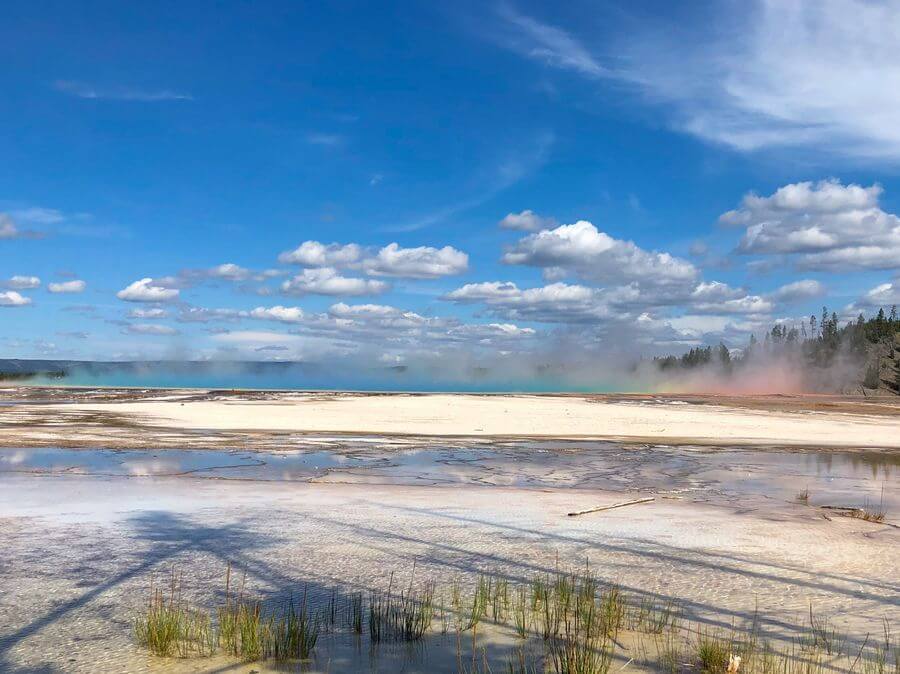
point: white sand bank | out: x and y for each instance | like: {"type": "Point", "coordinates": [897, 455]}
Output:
{"type": "Point", "coordinates": [514, 415]}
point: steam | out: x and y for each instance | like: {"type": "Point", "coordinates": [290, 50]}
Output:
{"type": "Point", "coordinates": [569, 362]}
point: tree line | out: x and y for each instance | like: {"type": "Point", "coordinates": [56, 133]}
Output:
{"type": "Point", "coordinates": [816, 343]}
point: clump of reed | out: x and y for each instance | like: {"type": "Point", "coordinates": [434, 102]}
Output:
{"type": "Point", "coordinates": [241, 627]}
{"type": "Point", "coordinates": [169, 626]}
{"type": "Point", "coordinates": [249, 633]}
{"type": "Point", "coordinates": [405, 616]}
{"type": "Point", "coordinates": [567, 623]}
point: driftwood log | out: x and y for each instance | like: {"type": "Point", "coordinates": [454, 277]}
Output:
{"type": "Point", "coordinates": [614, 505]}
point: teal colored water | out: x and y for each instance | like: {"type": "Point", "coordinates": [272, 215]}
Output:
{"type": "Point", "coordinates": [297, 378]}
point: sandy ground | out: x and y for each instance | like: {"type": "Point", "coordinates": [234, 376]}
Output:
{"type": "Point", "coordinates": [717, 421]}
{"type": "Point", "coordinates": [725, 536]}
{"type": "Point", "coordinates": [81, 561]}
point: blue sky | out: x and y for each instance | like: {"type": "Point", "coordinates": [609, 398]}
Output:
{"type": "Point", "coordinates": [677, 176]}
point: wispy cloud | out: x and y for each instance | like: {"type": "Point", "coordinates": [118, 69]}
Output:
{"type": "Point", "coordinates": [119, 93]}
{"type": "Point", "coordinates": [9, 229]}
{"type": "Point", "coordinates": [547, 43]}
{"type": "Point", "coordinates": [325, 139]}
{"type": "Point", "coordinates": [762, 74]}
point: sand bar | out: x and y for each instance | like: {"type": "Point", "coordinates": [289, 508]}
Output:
{"type": "Point", "coordinates": [615, 417]}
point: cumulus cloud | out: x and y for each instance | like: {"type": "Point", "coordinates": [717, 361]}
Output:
{"type": "Point", "coordinates": [229, 271]}
{"type": "Point", "coordinates": [881, 296]}
{"type": "Point", "coordinates": [488, 332]}
{"type": "Point", "coordinates": [420, 262]}
{"type": "Point", "coordinates": [278, 313]}
{"type": "Point", "coordinates": [150, 329]}
{"type": "Point", "coordinates": [328, 281]}
{"type": "Point", "coordinates": [391, 260]}
{"type": "Point", "coordinates": [11, 298]}
{"type": "Point", "coordinates": [316, 254]}
{"type": "Point", "coordinates": [749, 304]}
{"type": "Point", "coordinates": [146, 290]}
{"type": "Point", "coordinates": [579, 304]}
{"type": "Point", "coordinates": [526, 221]}
{"type": "Point", "coordinates": [715, 291]}
{"type": "Point", "coordinates": [824, 226]}
{"type": "Point", "coordinates": [68, 287]}
{"type": "Point", "coordinates": [21, 283]}
{"type": "Point", "coordinates": [594, 255]}
{"type": "Point", "coordinates": [342, 310]}
{"type": "Point", "coordinates": [554, 303]}
{"type": "Point", "coordinates": [798, 291]}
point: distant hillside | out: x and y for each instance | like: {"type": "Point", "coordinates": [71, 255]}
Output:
{"type": "Point", "coordinates": [23, 369]}
{"type": "Point", "coordinates": [15, 369]}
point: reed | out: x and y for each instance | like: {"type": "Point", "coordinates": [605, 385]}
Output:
{"type": "Point", "coordinates": [568, 619]}
{"type": "Point", "coordinates": [168, 626]}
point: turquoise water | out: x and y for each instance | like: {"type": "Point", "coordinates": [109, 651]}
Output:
{"type": "Point", "coordinates": [287, 377]}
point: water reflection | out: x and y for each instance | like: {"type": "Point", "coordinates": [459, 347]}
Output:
{"type": "Point", "coordinates": [700, 472]}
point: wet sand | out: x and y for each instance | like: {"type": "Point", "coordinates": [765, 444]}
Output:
{"type": "Point", "coordinates": [83, 531]}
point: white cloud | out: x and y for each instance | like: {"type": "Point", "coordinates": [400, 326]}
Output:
{"type": "Point", "coordinates": [150, 329]}
{"type": "Point", "coordinates": [203, 315]}
{"type": "Point", "coordinates": [749, 304]}
{"type": "Point", "coordinates": [488, 332]}
{"type": "Point", "coordinates": [10, 230]}
{"type": "Point", "coordinates": [21, 283]}
{"type": "Point", "coordinates": [325, 139]}
{"type": "Point", "coordinates": [764, 73]}
{"type": "Point", "coordinates": [145, 290]}
{"type": "Point", "coordinates": [70, 287]}
{"type": "Point", "coordinates": [624, 304]}
{"type": "Point", "coordinates": [547, 44]}
{"type": "Point", "coordinates": [421, 262]}
{"type": "Point", "coordinates": [148, 313]}
{"type": "Point", "coordinates": [11, 298]}
{"type": "Point", "coordinates": [554, 303]}
{"type": "Point", "coordinates": [278, 313]}
{"type": "Point", "coordinates": [83, 90]}
{"type": "Point", "coordinates": [526, 221]}
{"type": "Point", "coordinates": [884, 295]}
{"type": "Point", "coordinates": [229, 271]}
{"type": "Point", "coordinates": [825, 226]}
{"type": "Point", "coordinates": [327, 281]}
{"type": "Point", "coordinates": [391, 260]}
{"type": "Point", "coordinates": [824, 75]}
{"type": "Point", "coordinates": [342, 310]}
{"type": "Point", "coordinates": [315, 254]}
{"type": "Point", "coordinates": [715, 291]}
{"type": "Point", "coordinates": [798, 291]}
{"type": "Point", "coordinates": [37, 215]}
{"type": "Point", "coordinates": [256, 337]}
{"type": "Point", "coordinates": [596, 256]}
